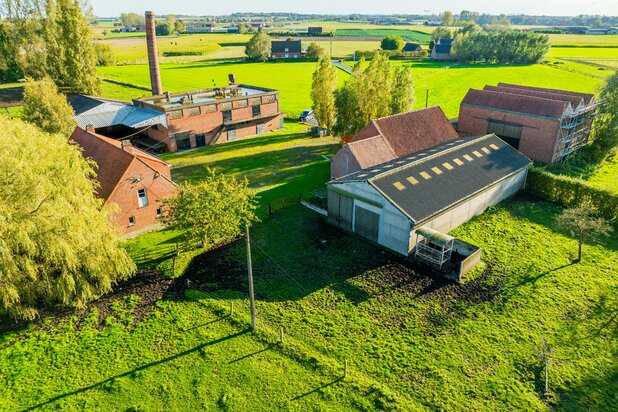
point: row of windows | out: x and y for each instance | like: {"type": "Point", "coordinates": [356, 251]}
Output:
{"type": "Point", "coordinates": [227, 106]}
{"type": "Point", "coordinates": [255, 112]}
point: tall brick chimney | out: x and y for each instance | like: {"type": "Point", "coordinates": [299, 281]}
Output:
{"type": "Point", "coordinates": [153, 58]}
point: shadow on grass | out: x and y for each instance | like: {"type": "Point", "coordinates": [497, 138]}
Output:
{"type": "Point", "coordinates": [326, 385]}
{"type": "Point", "coordinates": [266, 349]}
{"type": "Point", "coordinates": [140, 368]}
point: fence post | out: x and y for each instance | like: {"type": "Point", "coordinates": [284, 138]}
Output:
{"type": "Point", "coordinates": [231, 309]}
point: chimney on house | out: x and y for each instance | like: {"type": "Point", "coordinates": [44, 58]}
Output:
{"type": "Point", "coordinates": [124, 144]}
{"type": "Point", "coordinates": [90, 128]}
{"type": "Point", "coordinates": [153, 58]}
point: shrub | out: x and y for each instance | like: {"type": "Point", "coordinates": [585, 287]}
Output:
{"type": "Point", "coordinates": [568, 192]}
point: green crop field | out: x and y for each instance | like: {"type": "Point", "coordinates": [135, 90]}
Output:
{"type": "Point", "coordinates": [410, 34]}
{"type": "Point", "coordinates": [583, 39]}
{"type": "Point", "coordinates": [133, 49]}
{"type": "Point", "coordinates": [584, 52]}
{"type": "Point", "coordinates": [346, 49]}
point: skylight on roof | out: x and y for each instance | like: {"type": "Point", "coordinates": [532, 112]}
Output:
{"type": "Point", "coordinates": [458, 162]}
{"type": "Point", "coordinates": [493, 146]}
{"type": "Point", "coordinates": [399, 186]}
{"type": "Point", "coordinates": [436, 170]}
{"type": "Point", "coordinates": [477, 153]}
{"type": "Point", "coordinates": [425, 175]}
{"type": "Point", "coordinates": [447, 166]}
{"type": "Point", "coordinates": [486, 150]}
{"type": "Point", "coordinates": [468, 158]}
{"type": "Point", "coordinates": [412, 180]}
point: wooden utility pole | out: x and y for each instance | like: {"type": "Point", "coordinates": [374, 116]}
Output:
{"type": "Point", "coordinates": [250, 273]}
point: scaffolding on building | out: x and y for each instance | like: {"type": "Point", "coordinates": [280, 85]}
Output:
{"type": "Point", "coordinates": [575, 128]}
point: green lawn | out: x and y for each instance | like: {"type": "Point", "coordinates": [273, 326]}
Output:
{"type": "Point", "coordinates": [293, 80]}
{"type": "Point", "coordinates": [411, 343]}
{"type": "Point", "coordinates": [583, 39]}
{"type": "Point", "coordinates": [584, 52]}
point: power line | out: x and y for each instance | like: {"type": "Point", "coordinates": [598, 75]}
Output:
{"type": "Point", "coordinates": [285, 272]}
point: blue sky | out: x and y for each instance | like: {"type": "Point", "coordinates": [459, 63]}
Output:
{"type": "Point", "coordinates": [105, 8]}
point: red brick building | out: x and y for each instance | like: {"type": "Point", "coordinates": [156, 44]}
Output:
{"type": "Point", "coordinates": [391, 137]}
{"type": "Point", "coordinates": [133, 180]}
{"type": "Point", "coordinates": [547, 125]}
{"type": "Point", "coordinates": [209, 116]}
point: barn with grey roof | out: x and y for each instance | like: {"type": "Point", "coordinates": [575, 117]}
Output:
{"type": "Point", "coordinates": [438, 188]}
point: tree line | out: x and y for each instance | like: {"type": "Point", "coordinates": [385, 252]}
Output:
{"type": "Point", "coordinates": [48, 38]}
{"type": "Point", "coordinates": [373, 90]}
{"type": "Point", "coordinates": [507, 47]}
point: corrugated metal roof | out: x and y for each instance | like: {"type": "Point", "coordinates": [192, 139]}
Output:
{"type": "Point", "coordinates": [425, 184]}
{"type": "Point", "coordinates": [111, 114]}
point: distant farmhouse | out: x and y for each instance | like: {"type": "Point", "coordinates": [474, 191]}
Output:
{"type": "Point", "coordinates": [412, 47]}
{"type": "Point", "coordinates": [546, 125]}
{"type": "Point", "coordinates": [428, 193]}
{"type": "Point", "coordinates": [391, 137]}
{"type": "Point", "coordinates": [129, 178]}
{"type": "Point", "coordinates": [286, 49]}
{"type": "Point", "coordinates": [199, 27]}
{"type": "Point", "coordinates": [442, 49]}
{"type": "Point", "coordinates": [314, 31]}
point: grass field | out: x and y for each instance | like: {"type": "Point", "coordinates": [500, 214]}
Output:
{"type": "Point", "coordinates": [411, 343]}
{"type": "Point", "coordinates": [584, 52]}
{"type": "Point", "coordinates": [582, 39]}
{"type": "Point", "coordinates": [447, 82]}
{"type": "Point", "coordinates": [409, 34]}
{"type": "Point", "coordinates": [604, 175]}
{"type": "Point", "coordinates": [293, 80]}
{"type": "Point", "coordinates": [132, 50]}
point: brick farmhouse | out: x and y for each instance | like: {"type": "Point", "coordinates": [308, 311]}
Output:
{"type": "Point", "coordinates": [286, 49]}
{"type": "Point", "coordinates": [546, 125]}
{"type": "Point", "coordinates": [132, 180]}
{"type": "Point", "coordinates": [391, 137]}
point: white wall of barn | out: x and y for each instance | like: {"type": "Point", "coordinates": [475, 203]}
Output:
{"type": "Point", "coordinates": [394, 228]}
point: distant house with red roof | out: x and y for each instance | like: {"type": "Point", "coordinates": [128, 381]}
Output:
{"type": "Point", "coordinates": [388, 138]}
{"type": "Point", "coordinates": [133, 180]}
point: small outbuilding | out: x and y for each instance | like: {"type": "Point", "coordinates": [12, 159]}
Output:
{"type": "Point", "coordinates": [439, 188]}
{"type": "Point", "coordinates": [442, 49]}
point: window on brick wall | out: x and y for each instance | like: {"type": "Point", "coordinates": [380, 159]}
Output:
{"type": "Point", "coordinates": [194, 111]}
{"type": "Point", "coordinates": [132, 221]}
{"type": "Point", "coordinates": [227, 115]}
{"type": "Point", "coordinates": [142, 198]}
{"type": "Point", "coordinates": [509, 132]}
{"type": "Point", "coordinates": [159, 212]}
{"type": "Point", "coordinates": [175, 114]}
{"type": "Point", "coordinates": [255, 111]}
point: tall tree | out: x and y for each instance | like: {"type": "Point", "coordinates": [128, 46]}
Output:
{"type": "Point", "coordinates": [403, 91]}
{"type": "Point", "coordinates": [47, 108]}
{"type": "Point", "coordinates": [375, 85]}
{"type": "Point", "coordinates": [582, 224]}
{"type": "Point", "coordinates": [213, 211]}
{"type": "Point", "coordinates": [56, 246]}
{"type": "Point", "coordinates": [258, 47]}
{"type": "Point", "coordinates": [131, 19]}
{"type": "Point", "coordinates": [392, 43]}
{"type": "Point", "coordinates": [323, 90]}
{"type": "Point", "coordinates": [605, 130]}
{"type": "Point", "coordinates": [447, 18]}
{"type": "Point", "coordinates": [72, 57]}
{"type": "Point", "coordinates": [315, 50]}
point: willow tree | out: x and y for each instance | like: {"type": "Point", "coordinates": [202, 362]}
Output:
{"type": "Point", "coordinates": [323, 90]}
{"type": "Point", "coordinates": [47, 108]}
{"type": "Point", "coordinates": [56, 246]}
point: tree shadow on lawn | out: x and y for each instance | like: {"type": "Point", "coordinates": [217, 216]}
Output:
{"type": "Point", "coordinates": [139, 368]}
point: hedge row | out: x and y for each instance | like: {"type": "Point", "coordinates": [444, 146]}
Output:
{"type": "Point", "coordinates": [391, 54]}
{"type": "Point", "coordinates": [568, 191]}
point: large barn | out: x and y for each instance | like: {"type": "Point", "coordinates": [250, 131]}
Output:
{"type": "Point", "coordinates": [547, 125]}
{"type": "Point", "coordinates": [391, 137]}
{"type": "Point", "coordinates": [439, 188]}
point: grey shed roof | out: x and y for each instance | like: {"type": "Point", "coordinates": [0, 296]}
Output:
{"type": "Point", "coordinates": [110, 113]}
{"type": "Point", "coordinates": [425, 184]}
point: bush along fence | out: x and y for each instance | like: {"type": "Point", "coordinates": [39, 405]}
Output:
{"type": "Point", "coordinates": [568, 191]}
